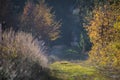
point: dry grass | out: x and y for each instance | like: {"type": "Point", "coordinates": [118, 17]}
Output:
{"type": "Point", "coordinates": [21, 57]}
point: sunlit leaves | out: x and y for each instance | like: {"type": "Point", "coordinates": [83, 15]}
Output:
{"type": "Point", "coordinates": [104, 33]}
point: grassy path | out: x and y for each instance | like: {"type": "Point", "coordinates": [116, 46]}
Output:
{"type": "Point", "coordinates": [72, 71]}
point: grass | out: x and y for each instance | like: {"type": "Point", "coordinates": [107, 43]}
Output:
{"type": "Point", "coordinates": [73, 71]}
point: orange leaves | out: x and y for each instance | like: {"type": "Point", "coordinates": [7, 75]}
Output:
{"type": "Point", "coordinates": [38, 19]}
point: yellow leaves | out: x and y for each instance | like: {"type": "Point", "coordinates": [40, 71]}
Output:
{"type": "Point", "coordinates": [8, 52]}
{"type": "Point", "coordinates": [104, 31]}
{"type": "Point", "coordinates": [117, 20]}
{"type": "Point", "coordinates": [103, 62]}
{"type": "Point", "coordinates": [54, 36]}
{"type": "Point", "coordinates": [115, 61]}
{"type": "Point", "coordinates": [117, 25]}
{"type": "Point", "coordinates": [110, 55]}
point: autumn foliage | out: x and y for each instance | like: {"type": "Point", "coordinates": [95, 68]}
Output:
{"type": "Point", "coordinates": [38, 19]}
{"type": "Point", "coordinates": [104, 32]}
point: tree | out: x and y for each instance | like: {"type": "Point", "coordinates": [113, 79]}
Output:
{"type": "Point", "coordinates": [104, 34]}
{"type": "Point", "coordinates": [38, 19]}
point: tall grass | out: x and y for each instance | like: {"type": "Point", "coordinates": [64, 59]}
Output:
{"type": "Point", "coordinates": [21, 57]}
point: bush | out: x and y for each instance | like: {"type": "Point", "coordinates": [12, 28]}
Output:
{"type": "Point", "coordinates": [21, 57]}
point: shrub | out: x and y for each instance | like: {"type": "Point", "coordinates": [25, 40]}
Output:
{"type": "Point", "coordinates": [21, 57]}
